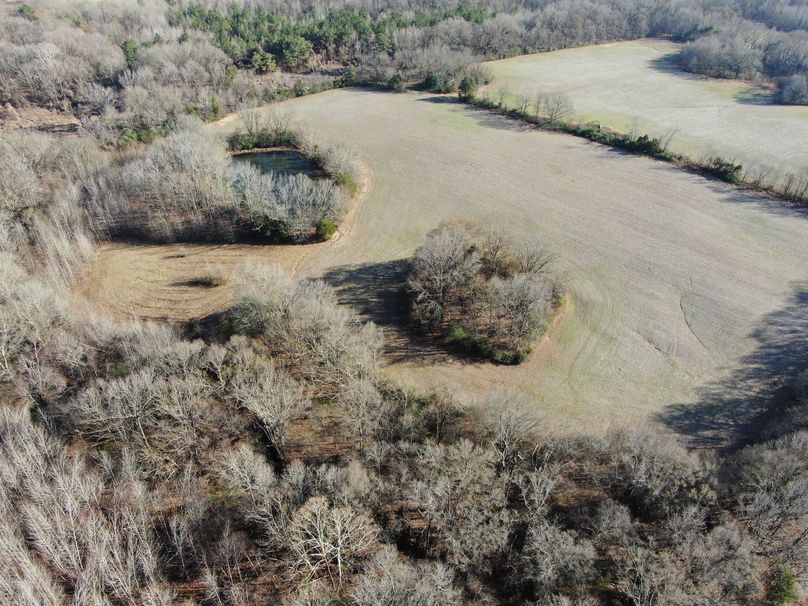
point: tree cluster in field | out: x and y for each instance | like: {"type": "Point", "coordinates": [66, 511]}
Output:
{"type": "Point", "coordinates": [185, 187]}
{"type": "Point", "coordinates": [741, 49]}
{"type": "Point", "coordinates": [490, 296]}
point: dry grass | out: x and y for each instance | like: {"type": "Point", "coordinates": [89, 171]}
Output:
{"type": "Point", "coordinates": [634, 86]}
{"type": "Point", "coordinates": [671, 277]}
{"type": "Point", "coordinates": [167, 282]}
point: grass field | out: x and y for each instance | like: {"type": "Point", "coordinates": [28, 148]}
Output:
{"type": "Point", "coordinates": [684, 293]}
{"type": "Point", "coordinates": [634, 86]}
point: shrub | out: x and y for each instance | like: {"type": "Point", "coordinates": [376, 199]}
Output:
{"type": "Point", "coordinates": [467, 90]}
{"type": "Point", "coordinates": [326, 229]}
{"type": "Point", "coordinates": [723, 169]}
{"type": "Point", "coordinates": [645, 145]}
{"type": "Point", "coordinates": [347, 181]}
{"type": "Point", "coordinates": [455, 333]}
{"type": "Point", "coordinates": [396, 83]}
{"type": "Point", "coordinates": [437, 83]}
{"type": "Point", "coordinates": [27, 11]}
{"type": "Point", "coordinates": [782, 589]}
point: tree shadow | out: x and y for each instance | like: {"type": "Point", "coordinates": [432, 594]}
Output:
{"type": "Point", "coordinates": [729, 193]}
{"type": "Point", "coordinates": [755, 94]}
{"type": "Point", "coordinates": [484, 117]}
{"type": "Point", "coordinates": [667, 64]}
{"type": "Point", "coordinates": [733, 409]}
{"type": "Point", "coordinates": [377, 291]}
{"type": "Point", "coordinates": [441, 99]}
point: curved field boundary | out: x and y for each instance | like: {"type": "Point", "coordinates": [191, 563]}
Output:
{"type": "Point", "coordinates": [685, 295]}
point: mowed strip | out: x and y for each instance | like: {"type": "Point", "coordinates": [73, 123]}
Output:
{"type": "Point", "coordinates": [636, 86]}
{"type": "Point", "coordinates": [669, 274]}
{"type": "Point", "coordinates": [174, 282]}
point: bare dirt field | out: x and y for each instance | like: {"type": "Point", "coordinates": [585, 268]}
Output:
{"type": "Point", "coordinates": [635, 86]}
{"type": "Point", "coordinates": [686, 295]}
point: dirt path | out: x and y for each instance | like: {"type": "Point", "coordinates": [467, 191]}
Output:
{"type": "Point", "coordinates": [685, 295]}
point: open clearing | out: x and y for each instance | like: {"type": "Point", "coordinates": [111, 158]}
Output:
{"type": "Point", "coordinates": [683, 292]}
{"type": "Point", "coordinates": [635, 86]}
{"type": "Point", "coordinates": [166, 282]}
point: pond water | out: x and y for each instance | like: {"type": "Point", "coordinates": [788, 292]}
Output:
{"type": "Point", "coordinates": [282, 163]}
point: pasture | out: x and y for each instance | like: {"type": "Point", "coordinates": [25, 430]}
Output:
{"type": "Point", "coordinates": [685, 295]}
{"type": "Point", "coordinates": [635, 86]}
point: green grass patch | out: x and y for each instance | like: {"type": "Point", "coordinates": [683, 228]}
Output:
{"type": "Point", "coordinates": [118, 369]}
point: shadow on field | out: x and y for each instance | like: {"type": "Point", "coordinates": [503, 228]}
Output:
{"type": "Point", "coordinates": [756, 95]}
{"type": "Point", "coordinates": [668, 64]}
{"type": "Point", "coordinates": [732, 409]}
{"type": "Point", "coordinates": [771, 204]}
{"type": "Point", "coordinates": [729, 193]}
{"type": "Point", "coordinates": [484, 117]}
{"type": "Point", "coordinates": [377, 292]}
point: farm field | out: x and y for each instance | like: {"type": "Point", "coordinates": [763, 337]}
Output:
{"type": "Point", "coordinates": [635, 86]}
{"type": "Point", "coordinates": [684, 293]}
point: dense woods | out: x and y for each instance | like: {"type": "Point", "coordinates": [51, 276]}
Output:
{"type": "Point", "coordinates": [143, 467]}
{"type": "Point", "coordinates": [130, 71]}
{"type": "Point", "coordinates": [270, 462]}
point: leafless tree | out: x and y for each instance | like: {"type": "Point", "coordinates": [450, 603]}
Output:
{"type": "Point", "coordinates": [330, 542]}
{"type": "Point", "coordinates": [275, 399]}
{"type": "Point", "coordinates": [446, 260]}
{"type": "Point", "coordinates": [557, 108]}
{"type": "Point", "coordinates": [551, 558]}
{"type": "Point", "coordinates": [391, 580]}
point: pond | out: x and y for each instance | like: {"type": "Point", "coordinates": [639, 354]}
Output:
{"type": "Point", "coordinates": [282, 162]}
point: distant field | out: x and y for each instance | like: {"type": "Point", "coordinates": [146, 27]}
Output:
{"type": "Point", "coordinates": [635, 86]}
{"type": "Point", "coordinates": [679, 286]}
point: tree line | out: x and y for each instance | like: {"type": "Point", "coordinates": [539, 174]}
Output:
{"type": "Point", "coordinates": [130, 72]}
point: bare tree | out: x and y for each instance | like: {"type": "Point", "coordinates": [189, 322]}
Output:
{"type": "Point", "coordinates": [330, 542]}
{"type": "Point", "coordinates": [557, 108]}
{"type": "Point", "coordinates": [446, 260]}
{"type": "Point", "coordinates": [393, 581]}
{"type": "Point", "coordinates": [275, 399]}
{"type": "Point", "coordinates": [522, 103]}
